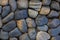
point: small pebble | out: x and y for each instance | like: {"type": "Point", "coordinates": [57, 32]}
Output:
{"type": "Point", "coordinates": [41, 20]}
{"type": "Point", "coordinates": [24, 37]}
{"type": "Point", "coordinates": [15, 33]}
{"type": "Point", "coordinates": [22, 3]}
{"type": "Point", "coordinates": [9, 26]}
{"type": "Point", "coordinates": [13, 38]}
{"type": "Point", "coordinates": [42, 36]}
{"type": "Point", "coordinates": [44, 10]}
{"type": "Point", "coordinates": [21, 24]}
{"type": "Point", "coordinates": [0, 9]}
{"type": "Point", "coordinates": [30, 22]}
{"type": "Point", "coordinates": [0, 22]}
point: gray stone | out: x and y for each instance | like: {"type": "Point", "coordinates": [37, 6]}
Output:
{"type": "Point", "coordinates": [24, 37]}
{"type": "Point", "coordinates": [46, 2]}
{"type": "Point", "coordinates": [32, 13]}
{"type": "Point", "coordinates": [32, 33]}
{"type": "Point", "coordinates": [8, 18]}
{"type": "Point", "coordinates": [22, 3]}
{"type": "Point", "coordinates": [15, 33]}
{"type": "Point", "coordinates": [21, 24]}
{"type": "Point", "coordinates": [55, 5]}
{"type": "Point", "coordinates": [42, 28]}
{"type": "Point", "coordinates": [0, 9]}
{"type": "Point", "coordinates": [58, 0]}
{"type": "Point", "coordinates": [0, 22]}
{"type": "Point", "coordinates": [9, 26]}
{"type": "Point", "coordinates": [41, 20]}
{"type": "Point", "coordinates": [42, 36]}
{"type": "Point", "coordinates": [13, 38]}
{"type": "Point", "coordinates": [13, 4]}
{"type": "Point", "coordinates": [30, 22]}
{"type": "Point", "coordinates": [6, 10]}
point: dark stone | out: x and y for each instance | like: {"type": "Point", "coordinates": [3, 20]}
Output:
{"type": "Point", "coordinates": [0, 9]}
{"type": "Point", "coordinates": [0, 22]}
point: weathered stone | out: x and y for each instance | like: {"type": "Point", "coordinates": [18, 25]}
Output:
{"type": "Point", "coordinates": [9, 26]}
{"type": "Point", "coordinates": [13, 4]}
{"type": "Point", "coordinates": [24, 37]}
{"type": "Point", "coordinates": [53, 14]}
{"type": "Point", "coordinates": [22, 3]}
{"type": "Point", "coordinates": [32, 33]}
{"type": "Point", "coordinates": [3, 2]}
{"type": "Point", "coordinates": [41, 20]}
{"type": "Point", "coordinates": [0, 9]}
{"type": "Point", "coordinates": [55, 5]}
{"type": "Point", "coordinates": [46, 2]}
{"type": "Point", "coordinates": [20, 14]}
{"type": "Point", "coordinates": [21, 24]}
{"type": "Point", "coordinates": [35, 5]}
{"type": "Point", "coordinates": [6, 10]}
{"type": "Point", "coordinates": [15, 33]}
{"type": "Point", "coordinates": [42, 36]}
{"type": "Point", "coordinates": [42, 28]}
{"type": "Point", "coordinates": [30, 22]}
{"type": "Point", "coordinates": [0, 22]}
{"type": "Point", "coordinates": [8, 17]}
{"type": "Point", "coordinates": [44, 10]}
{"type": "Point", "coordinates": [54, 23]}
{"type": "Point", "coordinates": [13, 38]}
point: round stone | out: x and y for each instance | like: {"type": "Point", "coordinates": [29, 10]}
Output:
{"type": "Point", "coordinates": [13, 38]}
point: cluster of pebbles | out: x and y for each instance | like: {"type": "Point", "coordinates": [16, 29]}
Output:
{"type": "Point", "coordinates": [29, 19]}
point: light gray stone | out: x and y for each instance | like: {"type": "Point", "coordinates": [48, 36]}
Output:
{"type": "Point", "coordinates": [13, 38]}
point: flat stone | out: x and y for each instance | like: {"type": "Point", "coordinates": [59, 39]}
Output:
{"type": "Point", "coordinates": [53, 14]}
{"type": "Point", "coordinates": [42, 28]}
{"type": "Point", "coordinates": [22, 3]}
{"type": "Point", "coordinates": [3, 2]}
{"type": "Point", "coordinates": [35, 5]}
{"type": "Point", "coordinates": [30, 22]}
{"type": "Point", "coordinates": [41, 20]}
{"type": "Point", "coordinates": [24, 37]}
{"type": "Point", "coordinates": [9, 17]}
{"type": "Point", "coordinates": [13, 4]}
{"type": "Point", "coordinates": [6, 10]}
{"type": "Point", "coordinates": [32, 33]}
{"type": "Point", "coordinates": [46, 2]}
{"type": "Point", "coordinates": [13, 38]}
{"type": "Point", "coordinates": [0, 22]}
{"type": "Point", "coordinates": [55, 5]}
{"type": "Point", "coordinates": [15, 33]}
{"type": "Point", "coordinates": [9, 26]}
{"type": "Point", "coordinates": [44, 10]}
{"type": "Point", "coordinates": [32, 13]}
{"type": "Point", "coordinates": [21, 24]}
{"type": "Point", "coordinates": [42, 36]}
{"type": "Point", "coordinates": [54, 23]}
{"type": "Point", "coordinates": [21, 14]}
{"type": "Point", "coordinates": [0, 9]}
{"type": "Point", "coordinates": [4, 35]}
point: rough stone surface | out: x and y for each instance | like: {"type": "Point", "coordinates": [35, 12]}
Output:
{"type": "Point", "coordinates": [0, 9]}
{"type": "Point", "coordinates": [0, 22]}
{"type": "Point", "coordinates": [21, 24]}
{"type": "Point", "coordinates": [41, 20]}
{"type": "Point", "coordinates": [13, 38]}
{"type": "Point", "coordinates": [42, 36]}
{"type": "Point", "coordinates": [9, 26]}
{"type": "Point", "coordinates": [30, 22]}
{"type": "Point", "coordinates": [44, 10]}
{"type": "Point", "coordinates": [32, 13]}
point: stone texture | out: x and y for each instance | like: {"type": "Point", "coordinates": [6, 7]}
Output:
{"type": "Point", "coordinates": [22, 3]}
{"type": "Point", "coordinates": [42, 36]}
{"type": "Point", "coordinates": [46, 2]}
{"type": "Point", "coordinates": [44, 10]}
{"type": "Point", "coordinates": [15, 33]}
{"type": "Point", "coordinates": [3, 2]}
{"type": "Point", "coordinates": [41, 20]}
{"type": "Point", "coordinates": [20, 14]}
{"type": "Point", "coordinates": [9, 26]}
{"type": "Point", "coordinates": [58, 0]}
{"type": "Point", "coordinates": [54, 23]}
{"type": "Point", "coordinates": [21, 24]}
{"type": "Point", "coordinates": [53, 14]}
{"type": "Point", "coordinates": [32, 33]}
{"type": "Point", "coordinates": [32, 13]}
{"type": "Point", "coordinates": [55, 5]}
{"type": "Point", "coordinates": [13, 4]}
{"type": "Point", "coordinates": [35, 5]}
{"type": "Point", "coordinates": [0, 9]}
{"type": "Point", "coordinates": [13, 38]}
{"type": "Point", "coordinates": [8, 17]}
{"type": "Point", "coordinates": [6, 10]}
{"type": "Point", "coordinates": [30, 22]}
{"type": "Point", "coordinates": [24, 37]}
{"type": "Point", "coordinates": [42, 28]}
{"type": "Point", "coordinates": [0, 22]}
